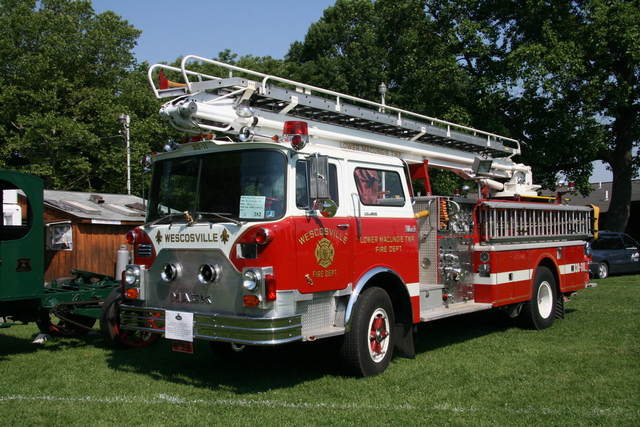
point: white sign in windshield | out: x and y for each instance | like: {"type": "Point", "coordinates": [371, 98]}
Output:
{"type": "Point", "coordinates": [252, 207]}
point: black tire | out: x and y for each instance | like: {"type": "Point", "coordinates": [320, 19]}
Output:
{"type": "Point", "coordinates": [602, 272]}
{"type": "Point", "coordinates": [52, 325]}
{"type": "Point", "coordinates": [367, 347]}
{"type": "Point", "coordinates": [110, 326]}
{"type": "Point", "coordinates": [539, 312]}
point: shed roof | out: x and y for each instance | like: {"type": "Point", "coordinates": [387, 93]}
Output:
{"type": "Point", "coordinates": [97, 207]}
{"type": "Point", "coordinates": [601, 195]}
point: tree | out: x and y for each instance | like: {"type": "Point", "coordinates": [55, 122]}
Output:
{"type": "Point", "coordinates": [67, 75]}
{"type": "Point", "coordinates": [359, 44]}
{"type": "Point", "coordinates": [342, 51]}
{"type": "Point", "coordinates": [562, 77]}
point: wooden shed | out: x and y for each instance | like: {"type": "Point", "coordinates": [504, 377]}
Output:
{"type": "Point", "coordinates": [83, 231]}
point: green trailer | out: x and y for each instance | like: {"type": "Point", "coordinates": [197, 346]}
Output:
{"type": "Point", "coordinates": [68, 307]}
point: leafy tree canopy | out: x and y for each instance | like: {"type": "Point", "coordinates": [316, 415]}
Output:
{"type": "Point", "coordinates": [67, 76]}
{"type": "Point", "coordinates": [560, 77]}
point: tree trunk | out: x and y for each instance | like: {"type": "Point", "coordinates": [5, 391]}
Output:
{"type": "Point", "coordinates": [621, 163]}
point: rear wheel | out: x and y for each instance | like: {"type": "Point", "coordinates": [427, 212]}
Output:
{"type": "Point", "coordinates": [539, 311]}
{"type": "Point", "coordinates": [367, 348]}
{"type": "Point", "coordinates": [603, 270]}
{"type": "Point", "coordinates": [110, 325]}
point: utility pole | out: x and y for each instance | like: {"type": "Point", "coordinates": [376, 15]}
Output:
{"type": "Point", "coordinates": [126, 121]}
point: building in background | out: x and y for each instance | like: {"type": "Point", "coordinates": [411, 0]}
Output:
{"type": "Point", "coordinates": [601, 197]}
{"type": "Point", "coordinates": [84, 231]}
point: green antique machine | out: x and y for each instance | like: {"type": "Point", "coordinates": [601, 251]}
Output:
{"type": "Point", "coordinates": [63, 308]}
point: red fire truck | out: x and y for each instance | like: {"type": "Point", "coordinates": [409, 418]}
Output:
{"type": "Point", "coordinates": [299, 221]}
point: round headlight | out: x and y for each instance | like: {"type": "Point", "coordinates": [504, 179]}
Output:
{"type": "Point", "coordinates": [169, 272]}
{"type": "Point", "coordinates": [485, 257]}
{"type": "Point", "coordinates": [207, 273]}
{"type": "Point", "coordinates": [130, 276]}
{"type": "Point", "coordinates": [250, 280]}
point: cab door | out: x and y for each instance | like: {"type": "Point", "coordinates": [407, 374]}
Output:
{"type": "Point", "coordinates": [324, 245]}
{"type": "Point", "coordinates": [21, 237]}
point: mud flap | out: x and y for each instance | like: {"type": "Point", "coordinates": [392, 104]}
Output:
{"type": "Point", "coordinates": [404, 341]}
{"type": "Point", "coordinates": [559, 309]}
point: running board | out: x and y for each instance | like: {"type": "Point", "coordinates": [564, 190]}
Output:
{"type": "Point", "coordinates": [453, 310]}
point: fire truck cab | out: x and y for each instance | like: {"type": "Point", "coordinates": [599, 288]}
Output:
{"type": "Point", "coordinates": [302, 223]}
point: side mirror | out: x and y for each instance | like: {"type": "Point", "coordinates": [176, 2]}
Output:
{"type": "Point", "coordinates": [319, 186]}
{"type": "Point", "coordinates": [327, 208]}
{"type": "Point", "coordinates": [319, 177]}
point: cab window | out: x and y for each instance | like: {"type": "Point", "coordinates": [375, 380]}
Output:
{"type": "Point", "coordinates": [379, 187]}
{"type": "Point", "coordinates": [16, 219]}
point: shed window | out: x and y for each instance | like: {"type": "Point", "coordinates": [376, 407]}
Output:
{"type": "Point", "coordinates": [59, 237]}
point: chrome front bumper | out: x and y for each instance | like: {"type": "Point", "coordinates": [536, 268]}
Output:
{"type": "Point", "coordinates": [217, 327]}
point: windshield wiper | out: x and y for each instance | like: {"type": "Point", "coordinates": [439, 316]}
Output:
{"type": "Point", "coordinates": [162, 218]}
{"type": "Point", "coordinates": [219, 215]}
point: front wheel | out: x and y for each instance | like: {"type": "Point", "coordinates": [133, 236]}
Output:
{"type": "Point", "coordinates": [367, 348]}
{"type": "Point", "coordinates": [539, 311]}
{"type": "Point", "coordinates": [110, 325]}
{"type": "Point", "coordinates": [603, 270]}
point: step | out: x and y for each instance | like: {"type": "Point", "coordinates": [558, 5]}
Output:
{"type": "Point", "coordinates": [453, 310]}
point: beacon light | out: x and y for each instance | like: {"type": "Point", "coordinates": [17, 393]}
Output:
{"type": "Point", "coordinates": [296, 133]}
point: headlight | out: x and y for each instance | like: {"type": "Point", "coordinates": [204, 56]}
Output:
{"type": "Point", "coordinates": [131, 275]}
{"type": "Point", "coordinates": [250, 280]}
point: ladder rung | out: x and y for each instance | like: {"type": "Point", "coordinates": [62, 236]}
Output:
{"type": "Point", "coordinates": [321, 109]}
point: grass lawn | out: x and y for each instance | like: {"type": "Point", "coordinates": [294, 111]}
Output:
{"type": "Point", "coordinates": [470, 370]}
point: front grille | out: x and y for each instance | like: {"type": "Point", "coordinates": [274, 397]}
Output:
{"type": "Point", "coordinates": [144, 250]}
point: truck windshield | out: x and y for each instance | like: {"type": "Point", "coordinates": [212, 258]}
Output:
{"type": "Point", "coordinates": [236, 185]}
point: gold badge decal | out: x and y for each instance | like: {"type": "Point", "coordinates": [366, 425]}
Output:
{"type": "Point", "coordinates": [324, 252]}
{"type": "Point", "coordinates": [158, 237]}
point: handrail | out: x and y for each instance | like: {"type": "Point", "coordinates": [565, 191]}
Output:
{"type": "Point", "coordinates": [265, 78]}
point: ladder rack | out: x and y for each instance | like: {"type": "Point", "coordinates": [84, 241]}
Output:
{"type": "Point", "coordinates": [301, 101]}
{"type": "Point", "coordinates": [502, 222]}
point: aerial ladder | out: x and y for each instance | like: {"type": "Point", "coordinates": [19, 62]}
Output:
{"type": "Point", "coordinates": [255, 109]}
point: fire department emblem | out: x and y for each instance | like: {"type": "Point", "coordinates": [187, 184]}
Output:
{"type": "Point", "coordinates": [158, 237]}
{"type": "Point", "coordinates": [225, 236]}
{"type": "Point", "coordinates": [324, 252]}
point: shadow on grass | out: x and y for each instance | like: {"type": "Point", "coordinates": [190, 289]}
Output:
{"type": "Point", "coordinates": [11, 345]}
{"type": "Point", "coordinates": [445, 332]}
{"type": "Point", "coordinates": [286, 365]}
{"type": "Point", "coordinates": [267, 368]}
{"type": "Point", "coordinates": [23, 342]}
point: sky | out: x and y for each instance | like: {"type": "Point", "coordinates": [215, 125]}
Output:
{"type": "Point", "coordinates": [174, 28]}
